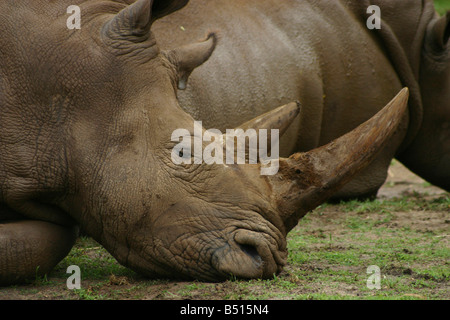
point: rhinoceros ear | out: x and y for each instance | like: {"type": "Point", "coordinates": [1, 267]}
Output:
{"type": "Point", "coordinates": [136, 19]}
{"type": "Point", "coordinates": [440, 31]}
{"type": "Point", "coordinates": [189, 57]}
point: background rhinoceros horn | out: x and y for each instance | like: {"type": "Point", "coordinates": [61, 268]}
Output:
{"type": "Point", "coordinates": [306, 180]}
{"type": "Point", "coordinates": [280, 118]}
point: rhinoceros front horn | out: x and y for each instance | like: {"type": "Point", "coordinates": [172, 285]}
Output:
{"type": "Point", "coordinates": [306, 180]}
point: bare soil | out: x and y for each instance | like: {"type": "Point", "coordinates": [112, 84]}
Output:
{"type": "Point", "coordinates": [402, 182]}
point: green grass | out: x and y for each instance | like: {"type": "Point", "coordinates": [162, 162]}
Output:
{"type": "Point", "coordinates": [442, 6]}
{"type": "Point", "coordinates": [413, 262]}
{"type": "Point", "coordinates": [93, 260]}
{"type": "Point", "coordinates": [396, 205]}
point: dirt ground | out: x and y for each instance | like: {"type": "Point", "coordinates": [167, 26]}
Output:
{"type": "Point", "coordinates": [402, 182]}
{"type": "Point", "coordinates": [301, 279]}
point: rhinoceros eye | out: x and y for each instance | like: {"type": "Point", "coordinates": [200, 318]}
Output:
{"type": "Point", "coordinates": [184, 154]}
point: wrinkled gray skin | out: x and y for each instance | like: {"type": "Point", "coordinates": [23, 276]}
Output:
{"type": "Point", "coordinates": [87, 115]}
{"type": "Point", "coordinates": [322, 54]}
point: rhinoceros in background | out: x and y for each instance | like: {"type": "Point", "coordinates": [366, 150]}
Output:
{"type": "Point", "coordinates": [323, 54]}
{"type": "Point", "coordinates": [87, 115]}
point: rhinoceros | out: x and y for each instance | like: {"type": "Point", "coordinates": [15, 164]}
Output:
{"type": "Point", "coordinates": [323, 54]}
{"type": "Point", "coordinates": [87, 115]}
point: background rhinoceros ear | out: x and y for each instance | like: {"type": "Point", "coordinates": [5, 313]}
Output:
{"type": "Point", "coordinates": [189, 57]}
{"type": "Point", "coordinates": [137, 18]}
{"type": "Point", "coordinates": [440, 31]}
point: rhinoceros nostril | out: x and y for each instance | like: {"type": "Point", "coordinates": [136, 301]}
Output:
{"type": "Point", "coordinates": [239, 260]}
{"type": "Point", "coordinates": [258, 248]}
{"type": "Point", "coordinates": [251, 251]}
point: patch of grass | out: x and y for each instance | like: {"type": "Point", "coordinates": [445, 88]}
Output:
{"type": "Point", "coordinates": [88, 294]}
{"type": "Point", "coordinates": [94, 261]}
{"type": "Point", "coordinates": [407, 203]}
{"type": "Point", "coordinates": [413, 262]}
{"type": "Point", "coordinates": [442, 6]}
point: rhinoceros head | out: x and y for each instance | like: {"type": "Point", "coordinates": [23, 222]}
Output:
{"type": "Point", "coordinates": [429, 154]}
{"type": "Point", "coordinates": [101, 105]}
